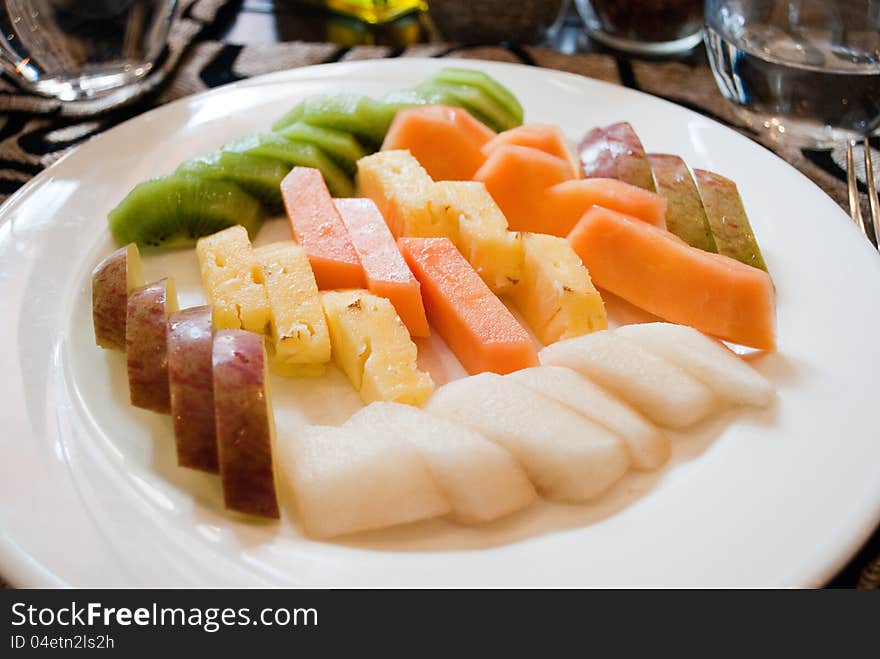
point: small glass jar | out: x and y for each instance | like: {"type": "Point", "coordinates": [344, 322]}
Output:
{"type": "Point", "coordinates": [651, 27]}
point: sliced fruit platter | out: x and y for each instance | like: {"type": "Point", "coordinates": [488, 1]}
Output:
{"type": "Point", "coordinates": [435, 212]}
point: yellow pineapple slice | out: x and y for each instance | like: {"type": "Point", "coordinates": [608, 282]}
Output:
{"type": "Point", "coordinates": [402, 189]}
{"type": "Point", "coordinates": [482, 237]}
{"type": "Point", "coordinates": [233, 280]}
{"type": "Point", "coordinates": [373, 348]}
{"type": "Point", "coordinates": [555, 294]}
{"type": "Point", "coordinates": [299, 331]}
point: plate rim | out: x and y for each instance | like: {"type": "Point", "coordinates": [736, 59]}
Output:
{"type": "Point", "coordinates": [19, 568]}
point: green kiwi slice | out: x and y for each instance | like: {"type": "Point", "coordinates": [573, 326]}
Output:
{"type": "Point", "coordinates": [407, 98]}
{"type": "Point", "coordinates": [361, 116]}
{"type": "Point", "coordinates": [293, 154]}
{"type": "Point", "coordinates": [344, 149]}
{"type": "Point", "coordinates": [489, 86]}
{"type": "Point", "coordinates": [259, 176]}
{"type": "Point", "coordinates": [177, 210]}
{"type": "Point", "coordinates": [475, 101]}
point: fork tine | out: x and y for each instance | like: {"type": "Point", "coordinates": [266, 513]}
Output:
{"type": "Point", "coordinates": [873, 201]}
{"type": "Point", "coordinates": [852, 186]}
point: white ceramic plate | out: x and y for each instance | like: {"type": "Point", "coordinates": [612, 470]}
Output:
{"type": "Point", "coordinates": [90, 494]}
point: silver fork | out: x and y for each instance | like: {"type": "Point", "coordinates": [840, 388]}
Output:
{"type": "Point", "coordinates": [855, 205]}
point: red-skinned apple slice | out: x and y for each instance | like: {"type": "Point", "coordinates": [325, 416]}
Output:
{"type": "Point", "coordinates": [616, 151]}
{"type": "Point", "coordinates": [685, 214]}
{"type": "Point", "coordinates": [727, 217]}
{"type": "Point", "coordinates": [191, 385]}
{"type": "Point", "coordinates": [245, 426]}
{"type": "Point", "coordinates": [146, 342]}
{"type": "Point", "coordinates": [112, 280]}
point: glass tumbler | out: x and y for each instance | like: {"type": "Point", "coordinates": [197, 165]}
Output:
{"type": "Point", "coordinates": [75, 49]}
{"type": "Point", "coordinates": [806, 72]}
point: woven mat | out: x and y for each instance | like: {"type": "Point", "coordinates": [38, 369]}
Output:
{"type": "Point", "coordinates": [35, 132]}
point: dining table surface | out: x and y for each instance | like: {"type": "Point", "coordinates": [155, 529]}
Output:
{"type": "Point", "coordinates": [215, 42]}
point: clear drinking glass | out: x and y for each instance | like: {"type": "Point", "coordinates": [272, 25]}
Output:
{"type": "Point", "coordinates": [650, 27]}
{"type": "Point", "coordinates": [74, 49]}
{"type": "Point", "coordinates": [805, 72]}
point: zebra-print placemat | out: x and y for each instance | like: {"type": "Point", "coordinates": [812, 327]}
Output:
{"type": "Point", "coordinates": [35, 132]}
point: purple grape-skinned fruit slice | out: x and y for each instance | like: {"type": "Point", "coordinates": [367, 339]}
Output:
{"type": "Point", "coordinates": [112, 280]}
{"type": "Point", "coordinates": [244, 423]}
{"type": "Point", "coordinates": [727, 217]}
{"type": "Point", "coordinates": [616, 151]}
{"type": "Point", "coordinates": [191, 384]}
{"type": "Point", "coordinates": [685, 215]}
{"type": "Point", "coordinates": [146, 343]}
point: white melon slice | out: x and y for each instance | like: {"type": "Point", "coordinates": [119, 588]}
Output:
{"type": "Point", "coordinates": [665, 393]}
{"type": "Point", "coordinates": [648, 446]}
{"type": "Point", "coordinates": [481, 480]}
{"type": "Point", "coordinates": [704, 358]}
{"type": "Point", "coordinates": [567, 456]}
{"type": "Point", "coordinates": [348, 480]}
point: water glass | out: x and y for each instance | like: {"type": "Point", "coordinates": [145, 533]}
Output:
{"type": "Point", "coordinates": [75, 49]}
{"type": "Point", "coordinates": [647, 27]}
{"type": "Point", "coordinates": [805, 73]}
